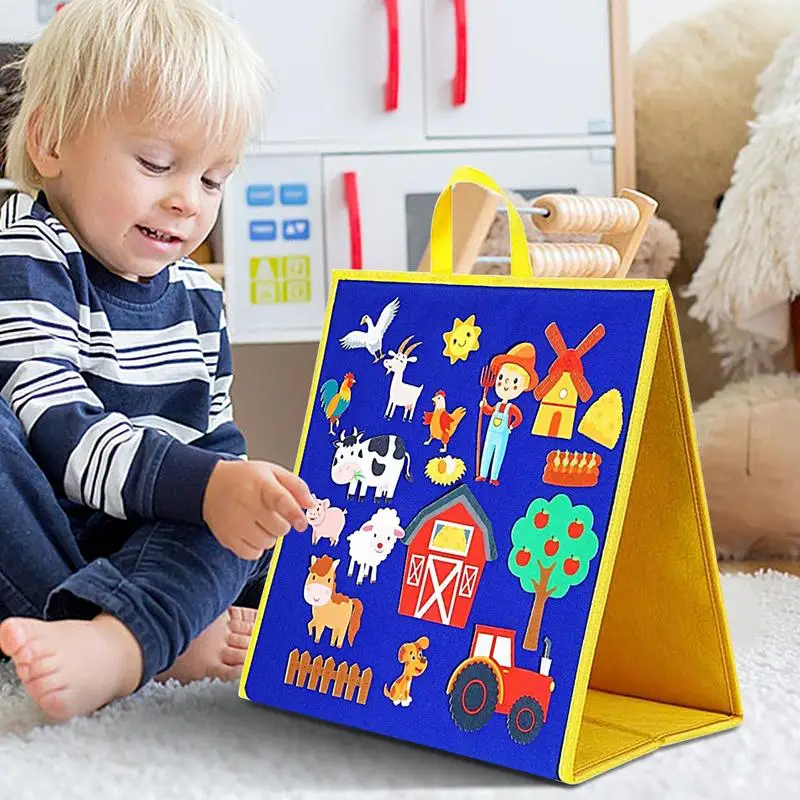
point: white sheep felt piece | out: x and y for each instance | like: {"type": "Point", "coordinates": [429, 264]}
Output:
{"type": "Point", "coordinates": [372, 543]}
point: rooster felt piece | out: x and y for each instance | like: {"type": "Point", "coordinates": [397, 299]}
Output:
{"type": "Point", "coordinates": [441, 423]}
{"type": "Point", "coordinates": [335, 400]}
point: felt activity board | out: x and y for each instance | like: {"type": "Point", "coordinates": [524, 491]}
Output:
{"type": "Point", "coordinates": [509, 557]}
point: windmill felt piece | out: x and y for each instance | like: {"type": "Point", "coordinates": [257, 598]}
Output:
{"type": "Point", "coordinates": [509, 557]}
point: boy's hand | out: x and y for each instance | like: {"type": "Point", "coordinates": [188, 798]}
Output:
{"type": "Point", "coordinates": [249, 505]}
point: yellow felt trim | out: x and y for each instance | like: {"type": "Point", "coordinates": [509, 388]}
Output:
{"type": "Point", "coordinates": [657, 659]}
{"type": "Point", "coordinates": [441, 244]}
{"type": "Point", "coordinates": [462, 279]}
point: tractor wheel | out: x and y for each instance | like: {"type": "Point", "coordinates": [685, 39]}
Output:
{"type": "Point", "coordinates": [474, 697]}
{"type": "Point", "coordinates": [525, 719]}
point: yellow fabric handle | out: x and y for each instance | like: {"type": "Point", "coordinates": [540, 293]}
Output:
{"type": "Point", "coordinates": [442, 226]}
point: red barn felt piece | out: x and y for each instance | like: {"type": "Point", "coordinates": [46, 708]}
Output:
{"type": "Point", "coordinates": [449, 542]}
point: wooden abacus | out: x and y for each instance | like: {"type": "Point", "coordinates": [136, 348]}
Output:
{"type": "Point", "coordinates": [620, 222]}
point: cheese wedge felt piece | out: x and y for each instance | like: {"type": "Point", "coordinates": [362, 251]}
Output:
{"type": "Point", "coordinates": [602, 422]}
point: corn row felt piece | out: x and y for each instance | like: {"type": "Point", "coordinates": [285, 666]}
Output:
{"type": "Point", "coordinates": [573, 260]}
{"type": "Point", "coordinates": [580, 214]}
{"type": "Point", "coordinates": [572, 468]}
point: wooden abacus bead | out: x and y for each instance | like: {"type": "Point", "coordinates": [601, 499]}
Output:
{"type": "Point", "coordinates": [574, 260]}
{"type": "Point", "coordinates": [579, 214]}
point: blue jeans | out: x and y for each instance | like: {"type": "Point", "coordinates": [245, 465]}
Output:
{"type": "Point", "coordinates": [165, 581]}
{"type": "Point", "coordinates": [493, 448]}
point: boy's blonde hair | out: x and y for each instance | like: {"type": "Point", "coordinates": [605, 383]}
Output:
{"type": "Point", "coordinates": [184, 59]}
{"type": "Point", "coordinates": [516, 369]}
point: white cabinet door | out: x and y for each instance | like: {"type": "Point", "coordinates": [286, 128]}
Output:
{"type": "Point", "coordinates": [23, 22]}
{"type": "Point", "coordinates": [273, 249]}
{"type": "Point", "coordinates": [378, 207]}
{"type": "Point", "coordinates": [344, 70]}
{"type": "Point", "coordinates": [517, 67]}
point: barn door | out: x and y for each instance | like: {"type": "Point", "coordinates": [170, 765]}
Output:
{"type": "Point", "coordinates": [437, 595]}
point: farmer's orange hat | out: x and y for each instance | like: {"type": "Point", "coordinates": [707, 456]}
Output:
{"type": "Point", "coordinates": [523, 355]}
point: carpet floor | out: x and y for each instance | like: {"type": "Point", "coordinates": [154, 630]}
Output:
{"type": "Point", "coordinates": [202, 741]}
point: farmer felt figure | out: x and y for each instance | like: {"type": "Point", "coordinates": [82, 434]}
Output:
{"type": "Point", "coordinates": [515, 374]}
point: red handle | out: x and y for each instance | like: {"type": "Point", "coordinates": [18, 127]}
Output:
{"type": "Point", "coordinates": [392, 86]}
{"type": "Point", "coordinates": [354, 216]}
{"type": "Point", "coordinates": [460, 80]}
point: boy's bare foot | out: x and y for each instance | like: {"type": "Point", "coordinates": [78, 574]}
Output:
{"type": "Point", "coordinates": [218, 652]}
{"type": "Point", "coordinates": [73, 667]}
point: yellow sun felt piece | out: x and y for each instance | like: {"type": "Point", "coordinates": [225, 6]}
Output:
{"type": "Point", "coordinates": [462, 339]}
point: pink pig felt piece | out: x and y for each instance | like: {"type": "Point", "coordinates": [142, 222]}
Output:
{"type": "Point", "coordinates": [326, 522]}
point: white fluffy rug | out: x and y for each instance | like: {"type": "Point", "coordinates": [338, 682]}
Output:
{"type": "Point", "coordinates": [203, 742]}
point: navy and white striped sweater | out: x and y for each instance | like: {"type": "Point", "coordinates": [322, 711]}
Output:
{"type": "Point", "coordinates": [123, 388]}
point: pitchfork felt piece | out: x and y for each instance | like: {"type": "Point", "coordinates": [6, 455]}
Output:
{"type": "Point", "coordinates": [509, 534]}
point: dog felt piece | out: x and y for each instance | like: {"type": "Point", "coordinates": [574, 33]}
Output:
{"type": "Point", "coordinates": [414, 664]}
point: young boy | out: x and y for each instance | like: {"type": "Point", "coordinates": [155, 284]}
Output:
{"type": "Point", "coordinates": [130, 519]}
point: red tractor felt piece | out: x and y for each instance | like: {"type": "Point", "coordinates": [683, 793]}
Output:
{"type": "Point", "coordinates": [488, 682]}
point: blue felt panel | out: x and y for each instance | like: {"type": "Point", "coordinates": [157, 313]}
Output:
{"type": "Point", "coordinates": [506, 316]}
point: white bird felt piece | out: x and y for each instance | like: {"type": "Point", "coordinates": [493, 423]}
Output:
{"type": "Point", "coordinates": [372, 338]}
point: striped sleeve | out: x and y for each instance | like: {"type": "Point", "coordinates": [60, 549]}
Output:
{"type": "Point", "coordinates": [222, 438]}
{"type": "Point", "coordinates": [223, 434]}
{"type": "Point", "coordinates": [95, 456]}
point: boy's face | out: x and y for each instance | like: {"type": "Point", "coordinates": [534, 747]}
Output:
{"type": "Point", "coordinates": [138, 199]}
{"type": "Point", "coordinates": [511, 382]}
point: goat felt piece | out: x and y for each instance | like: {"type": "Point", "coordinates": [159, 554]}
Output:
{"type": "Point", "coordinates": [571, 628]}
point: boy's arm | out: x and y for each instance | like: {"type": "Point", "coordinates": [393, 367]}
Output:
{"type": "Point", "coordinates": [95, 457]}
{"type": "Point", "coordinates": [222, 434]}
